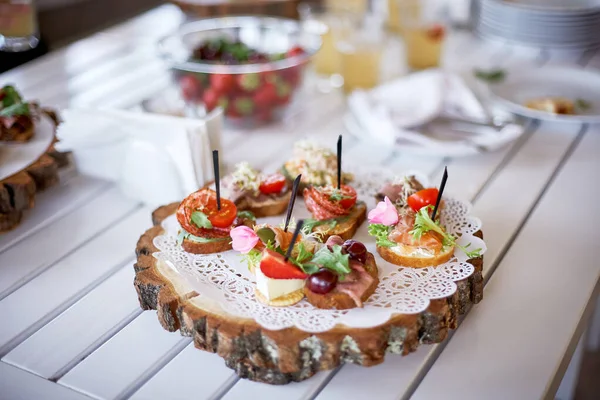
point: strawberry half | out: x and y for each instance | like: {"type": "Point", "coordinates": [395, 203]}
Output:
{"type": "Point", "coordinates": [274, 266]}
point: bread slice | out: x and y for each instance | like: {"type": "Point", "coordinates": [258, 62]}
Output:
{"type": "Point", "coordinates": [10, 220]}
{"type": "Point", "coordinates": [341, 301]}
{"type": "Point", "coordinates": [274, 206]}
{"type": "Point", "coordinates": [413, 261]}
{"type": "Point", "coordinates": [18, 133]}
{"type": "Point", "coordinates": [346, 228]}
{"type": "Point", "coordinates": [210, 247]}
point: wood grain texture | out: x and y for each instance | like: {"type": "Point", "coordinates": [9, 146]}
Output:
{"type": "Point", "coordinates": [287, 355]}
{"type": "Point", "coordinates": [17, 192]}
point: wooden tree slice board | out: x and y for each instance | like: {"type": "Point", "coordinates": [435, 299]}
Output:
{"type": "Point", "coordinates": [17, 192]}
{"type": "Point", "coordinates": [287, 355]}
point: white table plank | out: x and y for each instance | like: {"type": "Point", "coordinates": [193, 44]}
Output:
{"type": "Point", "coordinates": [53, 204]}
{"type": "Point", "coordinates": [112, 370]}
{"type": "Point", "coordinates": [537, 322]}
{"type": "Point", "coordinates": [515, 190]}
{"type": "Point", "coordinates": [245, 389]}
{"type": "Point", "coordinates": [16, 384]}
{"type": "Point", "coordinates": [82, 225]}
{"type": "Point", "coordinates": [498, 231]}
{"type": "Point", "coordinates": [188, 376]}
{"type": "Point", "coordinates": [79, 330]}
{"type": "Point", "coordinates": [46, 296]}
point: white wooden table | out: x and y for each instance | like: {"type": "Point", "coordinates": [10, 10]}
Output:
{"type": "Point", "coordinates": [71, 327]}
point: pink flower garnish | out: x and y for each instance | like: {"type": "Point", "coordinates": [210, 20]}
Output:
{"type": "Point", "coordinates": [243, 239]}
{"type": "Point", "coordinates": [385, 213]}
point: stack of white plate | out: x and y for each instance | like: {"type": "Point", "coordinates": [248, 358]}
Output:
{"type": "Point", "coordinates": [573, 24]}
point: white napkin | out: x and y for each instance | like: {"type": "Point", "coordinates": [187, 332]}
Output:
{"type": "Point", "coordinates": [394, 111]}
{"type": "Point", "coordinates": [155, 159]}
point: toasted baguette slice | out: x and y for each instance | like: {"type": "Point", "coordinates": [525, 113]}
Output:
{"type": "Point", "coordinates": [19, 133]}
{"type": "Point", "coordinates": [413, 261]}
{"type": "Point", "coordinates": [10, 220]}
{"type": "Point", "coordinates": [341, 301]}
{"type": "Point", "coordinates": [346, 228]}
{"type": "Point", "coordinates": [274, 206]}
{"type": "Point", "coordinates": [194, 247]}
{"type": "Point", "coordinates": [212, 245]}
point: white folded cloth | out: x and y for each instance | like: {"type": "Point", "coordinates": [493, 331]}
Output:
{"type": "Point", "coordinates": [155, 159]}
{"type": "Point", "coordinates": [395, 111]}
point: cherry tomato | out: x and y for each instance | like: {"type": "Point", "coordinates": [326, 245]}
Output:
{"type": "Point", "coordinates": [222, 83]}
{"type": "Point", "coordinates": [273, 183]}
{"type": "Point", "coordinates": [205, 200]}
{"type": "Point", "coordinates": [422, 198]}
{"type": "Point", "coordinates": [295, 51]}
{"type": "Point", "coordinates": [191, 89]}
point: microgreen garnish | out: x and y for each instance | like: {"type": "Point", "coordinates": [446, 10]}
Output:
{"type": "Point", "coordinates": [424, 224]}
{"type": "Point", "coordinates": [491, 76]}
{"type": "Point", "coordinates": [311, 224]}
{"type": "Point", "coordinates": [333, 259]}
{"type": "Point", "coordinates": [582, 104]}
{"type": "Point", "coordinates": [200, 219]}
{"type": "Point", "coordinates": [302, 260]}
{"type": "Point", "coordinates": [252, 258]}
{"type": "Point", "coordinates": [11, 103]}
{"type": "Point", "coordinates": [381, 233]}
{"type": "Point", "coordinates": [15, 110]}
{"type": "Point", "coordinates": [246, 215]}
{"type": "Point", "coordinates": [337, 195]}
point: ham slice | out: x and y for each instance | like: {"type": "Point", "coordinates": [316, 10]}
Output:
{"type": "Point", "coordinates": [401, 234]}
{"type": "Point", "coordinates": [356, 283]}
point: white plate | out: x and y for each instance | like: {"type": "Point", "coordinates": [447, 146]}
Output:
{"type": "Point", "coordinates": [15, 157]}
{"type": "Point", "coordinates": [570, 82]}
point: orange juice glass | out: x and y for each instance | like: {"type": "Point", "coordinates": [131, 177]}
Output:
{"type": "Point", "coordinates": [424, 32]}
{"type": "Point", "coordinates": [19, 33]}
{"type": "Point", "coordinates": [331, 23]}
{"type": "Point", "coordinates": [361, 53]}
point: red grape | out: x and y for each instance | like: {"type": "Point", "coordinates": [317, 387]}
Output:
{"type": "Point", "coordinates": [356, 249]}
{"type": "Point", "coordinates": [321, 282]}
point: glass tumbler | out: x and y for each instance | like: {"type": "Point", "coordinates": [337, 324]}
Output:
{"type": "Point", "coordinates": [424, 32]}
{"type": "Point", "coordinates": [361, 53]}
{"type": "Point", "coordinates": [330, 23]}
{"type": "Point", "coordinates": [18, 25]}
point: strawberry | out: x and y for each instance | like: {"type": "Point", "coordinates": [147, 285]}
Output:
{"type": "Point", "coordinates": [265, 96]}
{"type": "Point", "coordinates": [191, 89]}
{"type": "Point", "coordinates": [222, 82]}
{"type": "Point", "coordinates": [248, 82]}
{"type": "Point", "coordinates": [211, 99]}
{"type": "Point", "coordinates": [243, 105]}
{"type": "Point", "coordinates": [274, 266]}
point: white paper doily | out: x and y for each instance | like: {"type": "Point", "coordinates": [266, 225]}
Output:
{"type": "Point", "coordinates": [225, 279]}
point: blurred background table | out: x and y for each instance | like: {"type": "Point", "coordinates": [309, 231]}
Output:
{"type": "Point", "coordinates": [71, 327]}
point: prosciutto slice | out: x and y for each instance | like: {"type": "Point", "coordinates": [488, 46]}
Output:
{"type": "Point", "coordinates": [356, 283]}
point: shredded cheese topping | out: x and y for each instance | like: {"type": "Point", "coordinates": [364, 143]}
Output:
{"type": "Point", "coordinates": [318, 165]}
{"type": "Point", "coordinates": [245, 177]}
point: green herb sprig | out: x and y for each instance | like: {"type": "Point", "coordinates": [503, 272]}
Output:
{"type": "Point", "coordinates": [381, 233]}
{"type": "Point", "coordinates": [333, 260]}
{"type": "Point", "coordinates": [491, 76]}
{"type": "Point", "coordinates": [424, 223]}
{"type": "Point", "coordinates": [200, 219]}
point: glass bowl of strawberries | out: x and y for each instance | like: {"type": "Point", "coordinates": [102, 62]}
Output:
{"type": "Point", "coordinates": [249, 66]}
